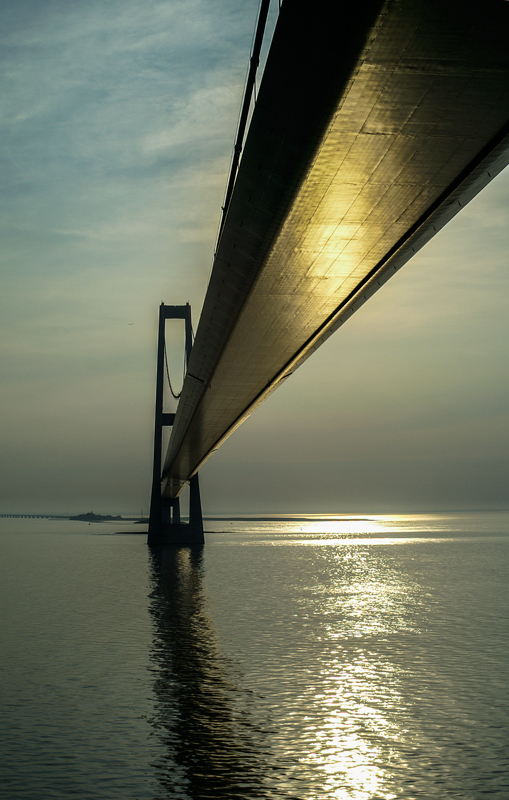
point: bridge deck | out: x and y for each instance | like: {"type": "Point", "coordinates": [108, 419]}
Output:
{"type": "Point", "coordinates": [375, 122]}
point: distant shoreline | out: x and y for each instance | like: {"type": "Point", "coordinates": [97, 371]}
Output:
{"type": "Point", "coordinates": [91, 517]}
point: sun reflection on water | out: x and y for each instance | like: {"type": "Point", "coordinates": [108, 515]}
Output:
{"type": "Point", "coordinates": [352, 747]}
{"type": "Point", "coordinates": [352, 651]}
{"type": "Point", "coordinates": [322, 529]}
{"type": "Point", "coordinates": [344, 526]}
{"type": "Point", "coordinates": [359, 693]}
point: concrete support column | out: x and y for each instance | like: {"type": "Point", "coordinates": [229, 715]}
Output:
{"type": "Point", "coordinates": [175, 517]}
{"type": "Point", "coordinates": [195, 515]}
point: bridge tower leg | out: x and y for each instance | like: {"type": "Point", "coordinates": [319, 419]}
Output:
{"type": "Point", "coordinates": [164, 525]}
{"type": "Point", "coordinates": [195, 515]}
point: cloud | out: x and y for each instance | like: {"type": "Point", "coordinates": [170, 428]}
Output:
{"type": "Point", "coordinates": [118, 125]}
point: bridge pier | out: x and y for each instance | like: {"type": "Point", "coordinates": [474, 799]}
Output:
{"type": "Point", "coordinates": [165, 526]}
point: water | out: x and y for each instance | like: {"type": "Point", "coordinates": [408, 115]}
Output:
{"type": "Point", "coordinates": [355, 659]}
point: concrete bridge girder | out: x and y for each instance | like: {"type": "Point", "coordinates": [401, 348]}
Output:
{"type": "Point", "coordinates": [375, 124]}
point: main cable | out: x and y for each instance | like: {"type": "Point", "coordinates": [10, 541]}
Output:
{"type": "Point", "coordinates": [176, 396]}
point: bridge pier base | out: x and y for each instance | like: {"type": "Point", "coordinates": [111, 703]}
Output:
{"type": "Point", "coordinates": [165, 528]}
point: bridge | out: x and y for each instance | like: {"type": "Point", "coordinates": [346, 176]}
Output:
{"type": "Point", "coordinates": [374, 124]}
{"type": "Point", "coordinates": [32, 516]}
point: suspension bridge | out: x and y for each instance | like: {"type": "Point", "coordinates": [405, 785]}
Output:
{"type": "Point", "coordinates": [374, 124]}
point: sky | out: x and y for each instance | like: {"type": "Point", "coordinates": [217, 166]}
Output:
{"type": "Point", "coordinates": [118, 120]}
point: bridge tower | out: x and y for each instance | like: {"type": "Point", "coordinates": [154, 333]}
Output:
{"type": "Point", "coordinates": [164, 525]}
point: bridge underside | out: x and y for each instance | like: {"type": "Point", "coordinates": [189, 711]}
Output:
{"type": "Point", "coordinates": [374, 124]}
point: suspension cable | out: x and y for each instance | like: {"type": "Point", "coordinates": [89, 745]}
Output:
{"type": "Point", "coordinates": [176, 396]}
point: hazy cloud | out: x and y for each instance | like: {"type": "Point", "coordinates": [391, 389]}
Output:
{"type": "Point", "coordinates": [117, 128]}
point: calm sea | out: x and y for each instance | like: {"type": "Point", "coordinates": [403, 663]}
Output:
{"type": "Point", "coordinates": [354, 659]}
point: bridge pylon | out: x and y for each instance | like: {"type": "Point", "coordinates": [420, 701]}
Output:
{"type": "Point", "coordinates": [165, 526]}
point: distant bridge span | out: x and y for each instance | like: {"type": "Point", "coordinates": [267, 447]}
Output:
{"type": "Point", "coordinates": [375, 123]}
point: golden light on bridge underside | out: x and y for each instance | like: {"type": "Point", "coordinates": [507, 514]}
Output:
{"type": "Point", "coordinates": [365, 188]}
